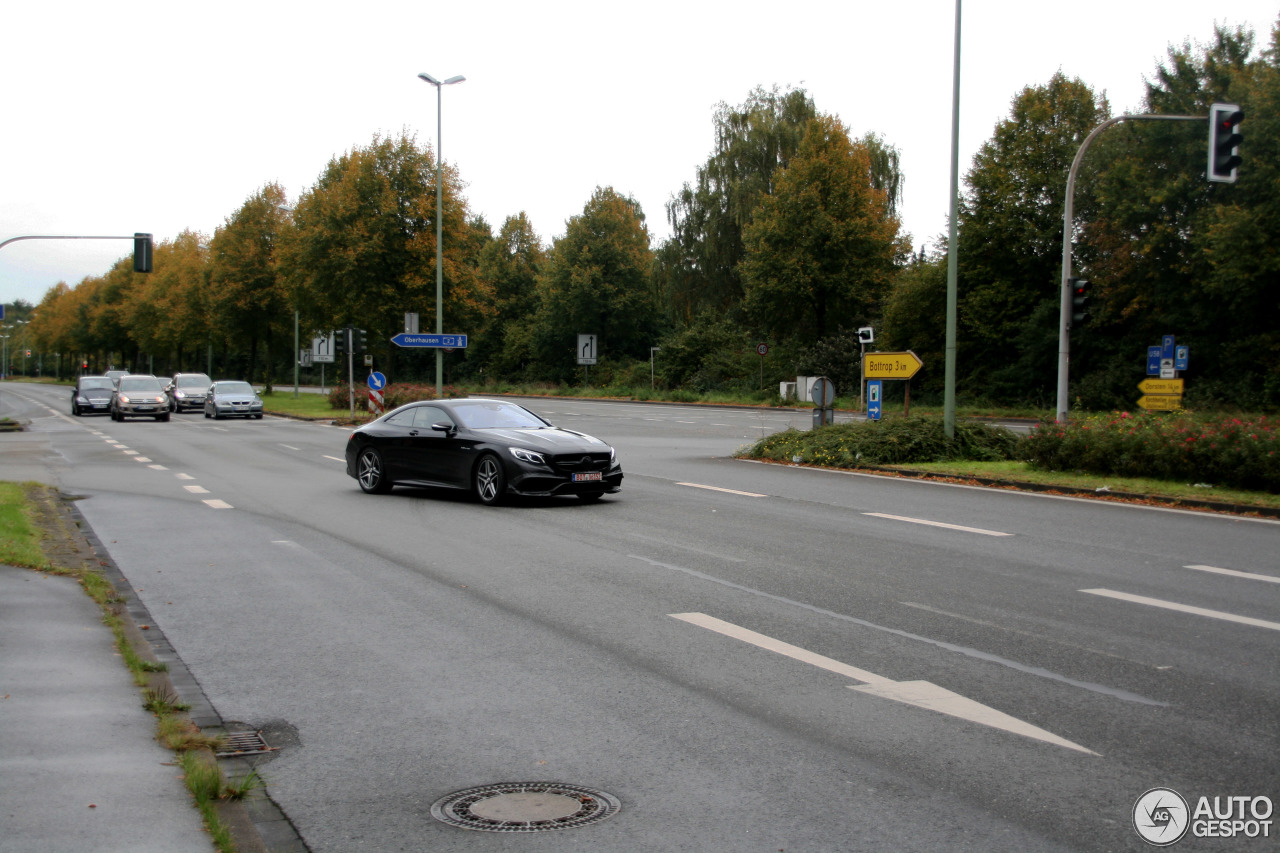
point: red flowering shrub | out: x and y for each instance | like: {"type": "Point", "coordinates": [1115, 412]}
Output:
{"type": "Point", "coordinates": [1221, 450]}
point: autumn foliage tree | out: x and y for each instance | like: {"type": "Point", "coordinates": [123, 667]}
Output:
{"type": "Point", "coordinates": [822, 247]}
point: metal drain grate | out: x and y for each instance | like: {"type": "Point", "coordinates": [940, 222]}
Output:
{"type": "Point", "coordinates": [524, 807]}
{"type": "Point", "coordinates": [243, 743]}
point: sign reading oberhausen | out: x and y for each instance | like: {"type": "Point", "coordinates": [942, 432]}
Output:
{"type": "Point", "coordinates": [404, 339]}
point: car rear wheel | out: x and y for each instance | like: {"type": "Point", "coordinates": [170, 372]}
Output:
{"type": "Point", "coordinates": [490, 480]}
{"type": "Point", "coordinates": [370, 472]}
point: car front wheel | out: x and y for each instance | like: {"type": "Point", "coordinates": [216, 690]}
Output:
{"type": "Point", "coordinates": [490, 480]}
{"type": "Point", "coordinates": [371, 473]}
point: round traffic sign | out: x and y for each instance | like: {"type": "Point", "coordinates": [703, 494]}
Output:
{"type": "Point", "coordinates": [762, 349]}
{"type": "Point", "coordinates": [824, 392]}
{"type": "Point", "coordinates": [377, 381]}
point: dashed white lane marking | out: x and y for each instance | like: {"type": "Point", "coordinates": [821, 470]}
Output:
{"type": "Point", "coordinates": [922, 694]}
{"type": "Point", "coordinates": [1183, 608]}
{"type": "Point", "coordinates": [1235, 574]}
{"type": "Point", "coordinates": [929, 523]}
{"type": "Point", "coordinates": [157, 468]}
{"type": "Point", "coordinates": [196, 490]}
{"type": "Point", "coordinates": [141, 459]}
{"type": "Point", "coordinates": [288, 447]}
{"type": "Point", "coordinates": [217, 504]}
{"type": "Point", "coordinates": [718, 489]}
{"type": "Point", "coordinates": [184, 476]}
{"type": "Point", "coordinates": [335, 458]}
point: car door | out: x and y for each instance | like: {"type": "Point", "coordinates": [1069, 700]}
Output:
{"type": "Point", "coordinates": [435, 452]}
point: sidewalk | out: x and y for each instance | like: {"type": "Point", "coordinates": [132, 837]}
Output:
{"type": "Point", "coordinates": [80, 767]}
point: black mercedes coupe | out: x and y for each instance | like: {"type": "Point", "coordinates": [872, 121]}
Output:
{"type": "Point", "coordinates": [494, 448]}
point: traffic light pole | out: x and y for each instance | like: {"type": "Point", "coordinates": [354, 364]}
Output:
{"type": "Point", "coordinates": [1068, 235]}
{"type": "Point", "coordinates": [141, 252]}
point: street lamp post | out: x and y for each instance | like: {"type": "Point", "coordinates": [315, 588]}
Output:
{"type": "Point", "coordinates": [439, 225]}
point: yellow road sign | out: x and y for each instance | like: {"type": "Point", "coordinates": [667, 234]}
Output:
{"type": "Point", "coordinates": [1161, 386]}
{"type": "Point", "coordinates": [1160, 403]}
{"type": "Point", "coordinates": [891, 365]}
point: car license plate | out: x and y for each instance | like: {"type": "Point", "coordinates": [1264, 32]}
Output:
{"type": "Point", "coordinates": [592, 477]}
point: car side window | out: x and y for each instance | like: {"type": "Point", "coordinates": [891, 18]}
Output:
{"type": "Point", "coordinates": [425, 416]}
{"type": "Point", "coordinates": [401, 419]}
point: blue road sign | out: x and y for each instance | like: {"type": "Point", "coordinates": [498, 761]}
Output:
{"type": "Point", "coordinates": [377, 381]}
{"type": "Point", "coordinates": [873, 398]}
{"type": "Point", "coordinates": [404, 339]}
{"type": "Point", "coordinates": [1166, 346]}
{"type": "Point", "coordinates": [1180, 356]}
{"type": "Point", "coordinates": [1153, 361]}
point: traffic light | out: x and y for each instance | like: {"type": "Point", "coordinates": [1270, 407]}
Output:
{"type": "Point", "coordinates": [361, 343]}
{"type": "Point", "coordinates": [340, 341]}
{"type": "Point", "coordinates": [141, 252]}
{"type": "Point", "coordinates": [1079, 298]}
{"type": "Point", "coordinates": [1224, 142]}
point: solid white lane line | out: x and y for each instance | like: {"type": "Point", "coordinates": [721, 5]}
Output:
{"type": "Point", "coordinates": [291, 447]}
{"type": "Point", "coordinates": [335, 459]}
{"type": "Point", "coordinates": [1235, 574]}
{"type": "Point", "coordinates": [1184, 608]}
{"type": "Point", "coordinates": [921, 694]}
{"type": "Point", "coordinates": [925, 521]}
{"type": "Point", "coordinates": [718, 489]}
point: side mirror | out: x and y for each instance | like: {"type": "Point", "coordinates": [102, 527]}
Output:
{"type": "Point", "coordinates": [446, 428]}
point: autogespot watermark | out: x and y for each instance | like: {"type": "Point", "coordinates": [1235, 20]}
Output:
{"type": "Point", "coordinates": [1162, 817]}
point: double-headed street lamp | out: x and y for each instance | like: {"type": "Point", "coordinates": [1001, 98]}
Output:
{"type": "Point", "coordinates": [439, 226]}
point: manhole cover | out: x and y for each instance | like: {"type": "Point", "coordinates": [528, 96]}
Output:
{"type": "Point", "coordinates": [524, 807]}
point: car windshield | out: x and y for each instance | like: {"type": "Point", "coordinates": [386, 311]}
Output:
{"type": "Point", "coordinates": [96, 382]}
{"type": "Point", "coordinates": [489, 414]}
{"type": "Point", "coordinates": [192, 382]}
{"type": "Point", "coordinates": [139, 383]}
{"type": "Point", "coordinates": [234, 388]}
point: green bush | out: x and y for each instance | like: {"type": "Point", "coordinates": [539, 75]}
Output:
{"type": "Point", "coordinates": [891, 442]}
{"type": "Point", "coordinates": [1240, 452]}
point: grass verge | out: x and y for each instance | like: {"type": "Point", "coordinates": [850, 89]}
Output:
{"type": "Point", "coordinates": [30, 526]}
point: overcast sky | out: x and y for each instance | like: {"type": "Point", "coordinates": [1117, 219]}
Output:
{"type": "Point", "coordinates": [160, 117]}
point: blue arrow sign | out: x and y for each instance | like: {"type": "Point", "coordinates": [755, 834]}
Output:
{"type": "Point", "coordinates": [1153, 361]}
{"type": "Point", "coordinates": [377, 381]}
{"type": "Point", "coordinates": [873, 398]}
{"type": "Point", "coordinates": [404, 339]}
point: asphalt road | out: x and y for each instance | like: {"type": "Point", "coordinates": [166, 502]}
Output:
{"type": "Point", "coordinates": [748, 657]}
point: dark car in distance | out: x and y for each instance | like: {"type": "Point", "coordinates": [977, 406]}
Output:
{"type": "Point", "coordinates": [92, 394]}
{"type": "Point", "coordinates": [493, 448]}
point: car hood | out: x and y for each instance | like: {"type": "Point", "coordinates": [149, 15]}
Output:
{"type": "Point", "coordinates": [95, 394]}
{"type": "Point", "coordinates": [550, 439]}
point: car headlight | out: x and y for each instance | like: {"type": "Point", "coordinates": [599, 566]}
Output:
{"type": "Point", "coordinates": [124, 399]}
{"type": "Point", "coordinates": [527, 455]}
{"type": "Point", "coordinates": [181, 395]}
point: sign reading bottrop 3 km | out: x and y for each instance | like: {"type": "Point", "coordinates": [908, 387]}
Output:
{"type": "Point", "coordinates": [891, 365]}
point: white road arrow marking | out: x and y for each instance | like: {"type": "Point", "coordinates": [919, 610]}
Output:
{"type": "Point", "coordinates": [921, 694]}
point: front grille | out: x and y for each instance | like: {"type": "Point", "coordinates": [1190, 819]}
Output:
{"type": "Point", "coordinates": [577, 462]}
